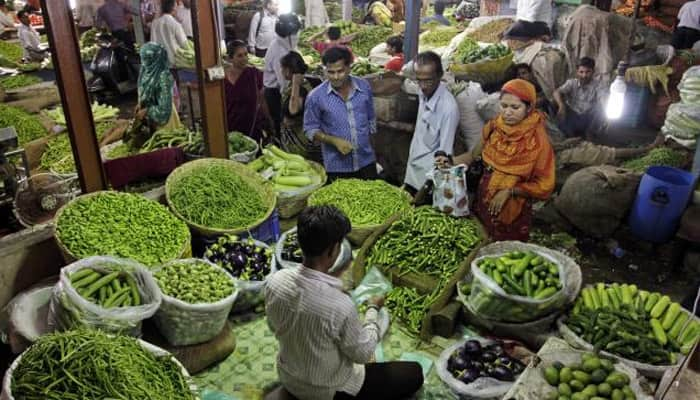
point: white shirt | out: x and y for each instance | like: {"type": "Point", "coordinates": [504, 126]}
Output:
{"type": "Point", "coordinates": [266, 35]}
{"type": "Point", "coordinates": [6, 22]}
{"type": "Point", "coordinates": [534, 10]}
{"type": "Point", "coordinates": [436, 125]}
{"type": "Point", "coordinates": [272, 73]}
{"type": "Point", "coordinates": [184, 15]}
{"type": "Point", "coordinates": [689, 15]}
{"type": "Point", "coordinates": [29, 39]}
{"type": "Point", "coordinates": [323, 344]}
{"type": "Point", "coordinates": [168, 32]}
{"type": "Point", "coordinates": [87, 12]}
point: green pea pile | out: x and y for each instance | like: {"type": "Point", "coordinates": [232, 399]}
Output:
{"type": "Point", "coordinates": [194, 282]}
{"type": "Point", "coordinates": [123, 225]}
{"type": "Point", "coordinates": [364, 202]}
{"type": "Point", "coordinates": [662, 156]}
{"type": "Point", "coordinates": [89, 364]}
{"type": "Point", "coordinates": [27, 125]}
{"type": "Point", "coordinates": [217, 197]}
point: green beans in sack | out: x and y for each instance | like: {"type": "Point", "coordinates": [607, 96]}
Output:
{"type": "Point", "coordinates": [197, 298]}
{"type": "Point", "coordinates": [106, 293]}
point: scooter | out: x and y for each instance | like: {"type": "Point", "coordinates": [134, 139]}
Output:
{"type": "Point", "coordinates": [115, 68]}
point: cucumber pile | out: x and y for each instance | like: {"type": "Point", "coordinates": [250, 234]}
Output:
{"type": "Point", "coordinates": [594, 379]}
{"type": "Point", "coordinates": [523, 274]}
{"type": "Point", "coordinates": [107, 289]}
{"type": "Point", "coordinates": [632, 323]}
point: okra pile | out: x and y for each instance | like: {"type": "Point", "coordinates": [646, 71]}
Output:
{"type": "Point", "coordinates": [594, 378]}
{"type": "Point", "coordinates": [107, 289]}
{"type": "Point", "coordinates": [523, 274]}
{"type": "Point", "coordinates": [364, 202]}
{"type": "Point", "coordinates": [632, 323]}
{"type": "Point", "coordinates": [194, 282]}
{"type": "Point", "coordinates": [122, 225]}
{"type": "Point", "coordinates": [215, 196]}
{"type": "Point", "coordinates": [409, 306]}
{"type": "Point", "coordinates": [88, 364]}
{"type": "Point", "coordinates": [425, 241]}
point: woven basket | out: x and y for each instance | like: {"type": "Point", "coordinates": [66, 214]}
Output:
{"type": "Point", "coordinates": [257, 183]}
{"type": "Point", "coordinates": [68, 257]}
{"type": "Point", "coordinates": [290, 204]}
{"type": "Point", "coordinates": [485, 71]}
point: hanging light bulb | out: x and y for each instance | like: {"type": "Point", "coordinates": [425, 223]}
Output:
{"type": "Point", "coordinates": [285, 7]}
{"type": "Point", "coordinates": [616, 98]}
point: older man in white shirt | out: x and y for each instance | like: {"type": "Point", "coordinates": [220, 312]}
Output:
{"type": "Point", "coordinates": [29, 39]}
{"type": "Point", "coordinates": [436, 124]}
{"type": "Point", "coordinates": [324, 347]}
{"type": "Point", "coordinates": [262, 28]}
{"type": "Point", "coordinates": [167, 31]}
{"type": "Point", "coordinates": [183, 12]}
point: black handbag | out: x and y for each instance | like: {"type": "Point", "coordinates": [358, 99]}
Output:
{"type": "Point", "coordinates": [474, 174]}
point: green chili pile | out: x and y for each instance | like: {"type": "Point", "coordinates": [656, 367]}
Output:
{"type": "Point", "coordinates": [364, 202]}
{"type": "Point", "coordinates": [27, 125]}
{"type": "Point", "coordinates": [194, 282]}
{"type": "Point", "coordinates": [217, 197]}
{"type": "Point", "coordinates": [123, 225]}
{"type": "Point", "coordinates": [425, 241]}
{"type": "Point", "coordinates": [85, 364]}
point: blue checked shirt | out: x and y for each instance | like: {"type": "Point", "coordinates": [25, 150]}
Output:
{"type": "Point", "coordinates": [352, 120]}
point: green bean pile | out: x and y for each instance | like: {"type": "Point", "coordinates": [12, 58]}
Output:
{"type": "Point", "coordinates": [27, 125]}
{"type": "Point", "coordinates": [85, 364]}
{"type": "Point", "coordinates": [364, 202]}
{"type": "Point", "coordinates": [18, 81]}
{"type": "Point", "coordinates": [438, 37]}
{"type": "Point", "coordinates": [425, 241]}
{"type": "Point", "coordinates": [194, 282]}
{"type": "Point", "coordinates": [123, 225]}
{"type": "Point", "coordinates": [216, 197]}
{"type": "Point", "coordinates": [662, 156]}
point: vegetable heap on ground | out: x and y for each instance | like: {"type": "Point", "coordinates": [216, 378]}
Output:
{"type": "Point", "coordinates": [523, 274]}
{"type": "Point", "coordinates": [290, 172]}
{"type": "Point", "coordinates": [368, 37]}
{"type": "Point", "coordinates": [362, 67]}
{"type": "Point", "coordinates": [469, 52]}
{"type": "Point", "coordinates": [107, 289]}
{"type": "Point", "coordinates": [635, 324]}
{"type": "Point", "coordinates": [290, 248]}
{"type": "Point", "coordinates": [364, 202]}
{"type": "Point", "coordinates": [491, 32]}
{"type": "Point", "coordinates": [123, 225]}
{"type": "Point", "coordinates": [58, 156]}
{"type": "Point", "coordinates": [185, 56]}
{"type": "Point", "coordinates": [473, 361]}
{"type": "Point", "coordinates": [18, 81]}
{"type": "Point", "coordinates": [661, 156]}
{"type": "Point", "coordinates": [215, 196]}
{"type": "Point", "coordinates": [193, 142]}
{"type": "Point", "coordinates": [10, 54]}
{"type": "Point", "coordinates": [347, 27]}
{"type": "Point", "coordinates": [243, 259]}
{"type": "Point", "coordinates": [86, 364]}
{"type": "Point", "coordinates": [88, 44]}
{"type": "Point", "coordinates": [438, 37]}
{"type": "Point", "coordinates": [28, 126]}
{"type": "Point", "coordinates": [100, 112]}
{"type": "Point", "coordinates": [595, 378]}
{"type": "Point", "coordinates": [194, 282]}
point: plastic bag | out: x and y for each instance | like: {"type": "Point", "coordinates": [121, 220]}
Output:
{"type": "Point", "coordinates": [25, 317]}
{"type": "Point", "coordinates": [482, 388]}
{"type": "Point", "coordinates": [450, 190]}
{"type": "Point", "coordinates": [488, 300]}
{"type": "Point", "coordinates": [250, 293]}
{"type": "Point", "coordinates": [470, 123]}
{"type": "Point", "coordinates": [689, 87]}
{"type": "Point", "coordinates": [69, 310]}
{"type": "Point", "coordinates": [373, 284]}
{"type": "Point", "coordinates": [183, 323]}
{"type": "Point", "coordinates": [683, 120]}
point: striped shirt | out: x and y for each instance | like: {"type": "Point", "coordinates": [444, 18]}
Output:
{"type": "Point", "coordinates": [352, 119]}
{"type": "Point", "coordinates": [323, 344]}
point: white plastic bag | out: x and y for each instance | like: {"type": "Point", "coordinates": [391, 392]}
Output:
{"type": "Point", "coordinates": [69, 310]}
{"type": "Point", "coordinates": [183, 323]}
{"type": "Point", "coordinates": [683, 121]}
{"type": "Point", "coordinates": [450, 190]}
{"type": "Point", "coordinates": [470, 122]}
{"type": "Point", "coordinates": [489, 107]}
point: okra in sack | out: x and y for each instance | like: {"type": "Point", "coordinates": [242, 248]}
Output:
{"type": "Point", "coordinates": [106, 293]}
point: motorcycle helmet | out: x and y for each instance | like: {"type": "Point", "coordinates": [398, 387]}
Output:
{"type": "Point", "coordinates": [287, 25]}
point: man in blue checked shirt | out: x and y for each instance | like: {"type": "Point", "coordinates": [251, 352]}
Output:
{"type": "Point", "coordinates": [340, 115]}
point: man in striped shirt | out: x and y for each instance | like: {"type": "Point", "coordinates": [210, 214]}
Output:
{"type": "Point", "coordinates": [324, 347]}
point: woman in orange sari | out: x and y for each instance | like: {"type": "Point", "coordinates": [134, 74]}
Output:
{"type": "Point", "coordinates": [519, 164]}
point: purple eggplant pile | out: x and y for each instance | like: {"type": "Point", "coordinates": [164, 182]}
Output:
{"type": "Point", "coordinates": [242, 258]}
{"type": "Point", "coordinates": [473, 361]}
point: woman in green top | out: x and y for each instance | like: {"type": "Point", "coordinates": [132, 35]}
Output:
{"type": "Point", "coordinates": [293, 97]}
{"type": "Point", "coordinates": [156, 86]}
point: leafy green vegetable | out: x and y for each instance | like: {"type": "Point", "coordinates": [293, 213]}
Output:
{"type": "Point", "coordinates": [18, 81]}
{"type": "Point", "coordinates": [469, 52]}
{"type": "Point", "coordinates": [11, 51]}
{"type": "Point", "coordinates": [27, 125]}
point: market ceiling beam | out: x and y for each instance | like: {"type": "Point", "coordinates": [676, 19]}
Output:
{"type": "Point", "coordinates": [210, 74]}
{"type": "Point", "coordinates": [65, 54]}
{"type": "Point", "coordinates": [410, 43]}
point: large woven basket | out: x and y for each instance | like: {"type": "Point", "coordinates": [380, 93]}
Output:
{"type": "Point", "coordinates": [484, 71]}
{"type": "Point", "coordinates": [290, 204]}
{"type": "Point", "coordinates": [254, 180]}
{"type": "Point", "coordinates": [69, 257]}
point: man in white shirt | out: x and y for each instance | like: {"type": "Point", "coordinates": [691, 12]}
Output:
{"type": "Point", "coordinates": [324, 347]}
{"type": "Point", "coordinates": [286, 29]}
{"type": "Point", "coordinates": [436, 124]}
{"type": "Point", "coordinates": [86, 13]}
{"type": "Point", "coordinates": [687, 30]}
{"type": "Point", "coordinates": [262, 28]}
{"type": "Point", "coordinates": [7, 23]}
{"type": "Point", "coordinates": [532, 21]}
{"type": "Point", "coordinates": [29, 39]}
{"type": "Point", "coordinates": [184, 15]}
{"type": "Point", "coordinates": [168, 32]}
